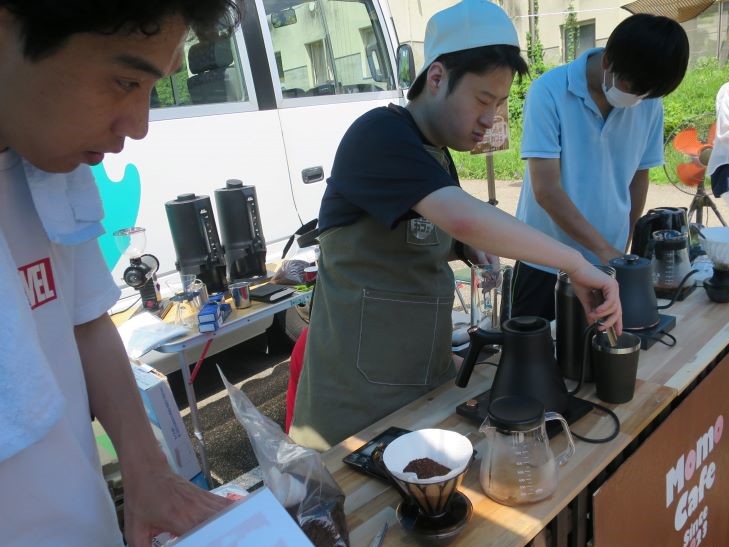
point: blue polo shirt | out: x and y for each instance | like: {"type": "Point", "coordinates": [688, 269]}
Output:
{"type": "Point", "coordinates": [598, 156]}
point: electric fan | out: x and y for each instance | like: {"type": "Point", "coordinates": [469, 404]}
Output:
{"type": "Point", "coordinates": [686, 154]}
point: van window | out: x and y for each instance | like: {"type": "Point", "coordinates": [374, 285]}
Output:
{"type": "Point", "coordinates": [210, 73]}
{"type": "Point", "coordinates": [328, 47]}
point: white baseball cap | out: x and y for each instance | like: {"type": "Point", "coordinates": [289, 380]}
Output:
{"type": "Point", "coordinates": [467, 25]}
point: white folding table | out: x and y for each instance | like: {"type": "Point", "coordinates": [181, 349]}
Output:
{"type": "Point", "coordinates": [236, 320]}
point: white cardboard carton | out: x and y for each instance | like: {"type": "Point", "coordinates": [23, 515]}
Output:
{"type": "Point", "coordinates": [257, 520]}
{"type": "Point", "coordinates": [167, 423]}
{"type": "Point", "coordinates": [230, 491]}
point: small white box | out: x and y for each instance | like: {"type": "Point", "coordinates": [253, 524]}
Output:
{"type": "Point", "coordinates": [211, 326]}
{"type": "Point", "coordinates": [167, 423]}
{"type": "Point", "coordinates": [230, 491]}
{"type": "Point", "coordinates": [257, 520]}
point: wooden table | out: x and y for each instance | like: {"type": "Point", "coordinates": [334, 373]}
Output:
{"type": "Point", "coordinates": [702, 332]}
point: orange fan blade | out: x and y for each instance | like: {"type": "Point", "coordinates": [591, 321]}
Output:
{"type": "Point", "coordinates": [690, 173]}
{"type": "Point", "coordinates": [712, 134]}
{"type": "Point", "coordinates": [687, 142]}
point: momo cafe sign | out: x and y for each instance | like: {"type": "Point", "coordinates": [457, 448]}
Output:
{"type": "Point", "coordinates": [673, 491]}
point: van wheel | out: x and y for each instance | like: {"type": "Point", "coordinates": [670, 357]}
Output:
{"type": "Point", "coordinates": [286, 328]}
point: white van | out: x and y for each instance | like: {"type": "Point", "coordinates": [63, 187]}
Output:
{"type": "Point", "coordinates": [267, 105]}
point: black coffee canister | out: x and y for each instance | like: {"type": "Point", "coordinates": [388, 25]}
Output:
{"type": "Point", "coordinates": [240, 230]}
{"type": "Point", "coordinates": [196, 241]}
{"type": "Point", "coordinates": [570, 326]}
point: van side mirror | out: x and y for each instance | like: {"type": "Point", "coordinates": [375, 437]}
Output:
{"type": "Point", "coordinates": [405, 66]}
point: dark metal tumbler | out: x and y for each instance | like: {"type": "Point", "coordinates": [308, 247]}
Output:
{"type": "Point", "coordinates": [615, 368]}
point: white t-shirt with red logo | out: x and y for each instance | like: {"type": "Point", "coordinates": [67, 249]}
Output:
{"type": "Point", "coordinates": [52, 493]}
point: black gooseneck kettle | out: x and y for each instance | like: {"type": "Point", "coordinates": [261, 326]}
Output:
{"type": "Point", "coordinates": [637, 295]}
{"type": "Point", "coordinates": [527, 366]}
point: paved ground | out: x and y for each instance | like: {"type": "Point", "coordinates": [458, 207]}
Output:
{"type": "Point", "coordinates": [264, 376]}
{"type": "Point", "coordinates": [507, 194]}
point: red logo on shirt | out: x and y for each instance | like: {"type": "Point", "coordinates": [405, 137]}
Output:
{"type": "Point", "coordinates": [38, 282]}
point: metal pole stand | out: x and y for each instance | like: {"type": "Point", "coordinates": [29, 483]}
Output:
{"type": "Point", "coordinates": [491, 178]}
{"type": "Point", "coordinates": [701, 200]}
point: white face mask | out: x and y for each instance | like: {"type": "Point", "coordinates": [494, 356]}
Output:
{"type": "Point", "coordinates": [616, 97]}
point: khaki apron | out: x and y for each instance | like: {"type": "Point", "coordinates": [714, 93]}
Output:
{"type": "Point", "coordinates": [380, 333]}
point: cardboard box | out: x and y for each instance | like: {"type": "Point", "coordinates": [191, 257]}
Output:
{"type": "Point", "coordinates": [167, 423]}
{"type": "Point", "coordinates": [209, 324]}
{"type": "Point", "coordinates": [231, 491]}
{"type": "Point", "coordinates": [210, 313]}
{"type": "Point", "coordinates": [258, 519]}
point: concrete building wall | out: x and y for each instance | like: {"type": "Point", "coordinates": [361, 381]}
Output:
{"type": "Point", "coordinates": [410, 17]}
{"type": "Point", "coordinates": [603, 16]}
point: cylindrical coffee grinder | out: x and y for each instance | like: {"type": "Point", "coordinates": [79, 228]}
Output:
{"type": "Point", "coordinates": [196, 241]}
{"type": "Point", "coordinates": [141, 273]}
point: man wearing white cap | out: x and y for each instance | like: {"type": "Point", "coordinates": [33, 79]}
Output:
{"type": "Point", "coordinates": [392, 216]}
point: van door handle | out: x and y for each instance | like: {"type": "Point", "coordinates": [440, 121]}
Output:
{"type": "Point", "coordinates": [312, 174]}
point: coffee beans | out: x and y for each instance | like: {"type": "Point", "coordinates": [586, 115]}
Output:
{"type": "Point", "coordinates": [425, 468]}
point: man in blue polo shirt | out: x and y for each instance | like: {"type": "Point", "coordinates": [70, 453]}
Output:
{"type": "Point", "coordinates": [592, 129]}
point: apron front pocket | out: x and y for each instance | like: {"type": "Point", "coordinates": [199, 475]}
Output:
{"type": "Point", "coordinates": [404, 339]}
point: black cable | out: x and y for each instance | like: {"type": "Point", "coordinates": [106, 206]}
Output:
{"type": "Point", "coordinates": [603, 439]}
{"type": "Point", "coordinates": [587, 337]}
{"type": "Point", "coordinates": [677, 291]}
{"type": "Point", "coordinates": [587, 332]}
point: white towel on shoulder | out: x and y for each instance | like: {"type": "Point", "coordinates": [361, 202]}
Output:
{"type": "Point", "coordinates": [69, 206]}
{"type": "Point", "coordinates": [30, 399]}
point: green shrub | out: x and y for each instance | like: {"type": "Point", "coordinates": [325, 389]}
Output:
{"type": "Point", "coordinates": [696, 95]}
{"type": "Point", "coordinates": [694, 98]}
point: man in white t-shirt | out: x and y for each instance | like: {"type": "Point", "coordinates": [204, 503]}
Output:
{"type": "Point", "coordinates": [76, 82]}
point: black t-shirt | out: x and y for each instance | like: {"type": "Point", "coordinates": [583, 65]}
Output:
{"type": "Point", "coordinates": [382, 169]}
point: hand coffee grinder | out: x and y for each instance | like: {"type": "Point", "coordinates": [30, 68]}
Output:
{"type": "Point", "coordinates": [141, 274]}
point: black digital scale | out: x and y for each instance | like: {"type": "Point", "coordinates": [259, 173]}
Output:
{"type": "Point", "coordinates": [361, 459]}
{"type": "Point", "coordinates": [653, 334]}
{"type": "Point", "coordinates": [476, 409]}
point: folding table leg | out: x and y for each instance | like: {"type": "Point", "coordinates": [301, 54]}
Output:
{"type": "Point", "coordinates": [198, 438]}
